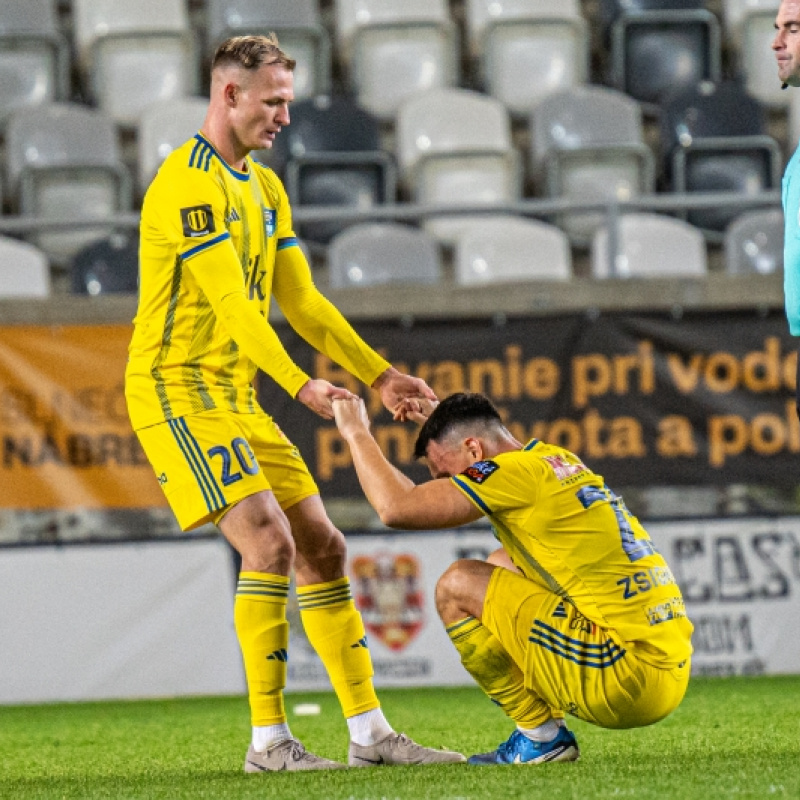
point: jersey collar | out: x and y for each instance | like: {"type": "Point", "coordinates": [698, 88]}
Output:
{"type": "Point", "coordinates": [239, 175]}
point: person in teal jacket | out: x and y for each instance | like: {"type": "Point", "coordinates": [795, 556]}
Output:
{"type": "Point", "coordinates": [786, 46]}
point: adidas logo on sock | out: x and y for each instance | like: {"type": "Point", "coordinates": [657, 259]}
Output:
{"type": "Point", "coordinates": [362, 642]}
{"type": "Point", "coordinates": [279, 655]}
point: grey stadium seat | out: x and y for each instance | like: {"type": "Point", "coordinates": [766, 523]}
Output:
{"type": "Point", "coordinates": [754, 242]}
{"type": "Point", "coordinates": [296, 23]}
{"type": "Point", "coordinates": [587, 144]}
{"type": "Point", "coordinates": [34, 64]}
{"type": "Point", "coordinates": [63, 161]}
{"type": "Point", "coordinates": [132, 53]}
{"type": "Point", "coordinates": [649, 246]}
{"type": "Point", "coordinates": [503, 249]}
{"type": "Point", "coordinates": [163, 126]}
{"type": "Point", "coordinates": [373, 254]}
{"type": "Point", "coordinates": [24, 270]}
{"type": "Point", "coordinates": [547, 41]}
{"type": "Point", "coordinates": [454, 147]}
{"type": "Point", "coordinates": [392, 49]}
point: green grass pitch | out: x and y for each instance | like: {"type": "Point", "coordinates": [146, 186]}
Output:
{"type": "Point", "coordinates": [737, 737]}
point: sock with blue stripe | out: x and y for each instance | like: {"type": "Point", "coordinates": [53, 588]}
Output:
{"type": "Point", "coordinates": [259, 613]}
{"type": "Point", "coordinates": [335, 630]}
{"type": "Point", "coordinates": [493, 669]}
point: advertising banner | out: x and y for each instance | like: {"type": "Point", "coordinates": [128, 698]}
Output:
{"type": "Point", "coordinates": [741, 583]}
{"type": "Point", "coordinates": [66, 439]}
{"type": "Point", "coordinates": [72, 638]}
{"type": "Point", "coordinates": [644, 399]}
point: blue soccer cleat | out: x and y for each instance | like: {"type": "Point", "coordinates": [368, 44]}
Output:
{"type": "Point", "coordinates": [519, 749]}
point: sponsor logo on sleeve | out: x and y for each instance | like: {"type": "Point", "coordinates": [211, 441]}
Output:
{"type": "Point", "coordinates": [480, 471]}
{"type": "Point", "coordinates": [197, 221]}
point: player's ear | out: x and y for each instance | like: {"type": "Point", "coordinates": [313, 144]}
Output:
{"type": "Point", "coordinates": [475, 448]}
{"type": "Point", "coordinates": [231, 94]}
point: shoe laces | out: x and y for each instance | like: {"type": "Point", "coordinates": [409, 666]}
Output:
{"type": "Point", "coordinates": [294, 749]}
{"type": "Point", "coordinates": [511, 745]}
{"type": "Point", "coordinates": [402, 740]}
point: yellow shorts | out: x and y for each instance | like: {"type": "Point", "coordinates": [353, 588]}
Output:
{"type": "Point", "coordinates": [207, 462]}
{"type": "Point", "coordinates": [575, 666]}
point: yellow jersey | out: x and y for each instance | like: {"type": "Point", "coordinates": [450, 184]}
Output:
{"type": "Point", "coordinates": [565, 529]}
{"type": "Point", "coordinates": [216, 244]}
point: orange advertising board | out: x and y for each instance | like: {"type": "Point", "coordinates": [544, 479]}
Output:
{"type": "Point", "coordinates": [65, 438]}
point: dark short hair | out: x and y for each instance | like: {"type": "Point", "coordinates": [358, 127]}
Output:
{"type": "Point", "coordinates": [454, 410]}
{"type": "Point", "coordinates": [251, 52]}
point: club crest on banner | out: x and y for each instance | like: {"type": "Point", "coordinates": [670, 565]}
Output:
{"type": "Point", "coordinates": [387, 590]}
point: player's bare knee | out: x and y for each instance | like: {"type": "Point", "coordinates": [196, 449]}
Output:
{"type": "Point", "coordinates": [334, 547]}
{"type": "Point", "coordinates": [270, 549]}
{"type": "Point", "coordinates": [263, 537]}
{"type": "Point", "coordinates": [450, 588]}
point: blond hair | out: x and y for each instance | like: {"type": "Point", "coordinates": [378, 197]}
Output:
{"type": "Point", "coordinates": [251, 53]}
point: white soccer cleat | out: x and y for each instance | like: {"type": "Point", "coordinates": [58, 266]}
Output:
{"type": "Point", "coordinates": [397, 748]}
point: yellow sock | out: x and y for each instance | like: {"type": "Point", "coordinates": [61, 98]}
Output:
{"type": "Point", "coordinates": [334, 628]}
{"type": "Point", "coordinates": [493, 669]}
{"type": "Point", "coordinates": [259, 614]}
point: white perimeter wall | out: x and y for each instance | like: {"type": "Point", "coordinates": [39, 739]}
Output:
{"type": "Point", "coordinates": [156, 619]}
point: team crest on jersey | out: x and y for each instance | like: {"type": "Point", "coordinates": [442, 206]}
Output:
{"type": "Point", "coordinates": [388, 592]}
{"type": "Point", "coordinates": [197, 221]}
{"type": "Point", "coordinates": [480, 471]}
{"type": "Point", "coordinates": [269, 220]}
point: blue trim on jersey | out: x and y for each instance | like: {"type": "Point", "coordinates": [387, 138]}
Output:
{"type": "Point", "coordinates": [531, 444]}
{"type": "Point", "coordinates": [584, 654]}
{"type": "Point", "coordinates": [289, 241]}
{"type": "Point", "coordinates": [195, 150]}
{"type": "Point", "coordinates": [240, 176]}
{"type": "Point", "coordinates": [205, 245]}
{"type": "Point", "coordinates": [188, 445]}
{"type": "Point", "coordinates": [471, 492]}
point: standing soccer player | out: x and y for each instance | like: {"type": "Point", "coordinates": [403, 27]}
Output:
{"type": "Point", "coordinates": [577, 614]}
{"type": "Point", "coordinates": [786, 45]}
{"type": "Point", "coordinates": [216, 244]}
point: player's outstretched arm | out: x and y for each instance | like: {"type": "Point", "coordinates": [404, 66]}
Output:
{"type": "Point", "coordinates": [322, 325]}
{"type": "Point", "coordinates": [399, 502]}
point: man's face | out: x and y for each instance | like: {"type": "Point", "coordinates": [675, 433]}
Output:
{"type": "Point", "coordinates": [451, 457]}
{"type": "Point", "coordinates": [786, 43]}
{"type": "Point", "coordinates": [262, 106]}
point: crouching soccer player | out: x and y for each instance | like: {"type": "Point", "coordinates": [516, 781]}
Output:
{"type": "Point", "coordinates": [576, 614]}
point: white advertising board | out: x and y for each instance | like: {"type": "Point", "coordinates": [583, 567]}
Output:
{"type": "Point", "coordinates": [88, 622]}
{"type": "Point", "coordinates": [741, 583]}
{"type": "Point", "coordinates": [156, 619]}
